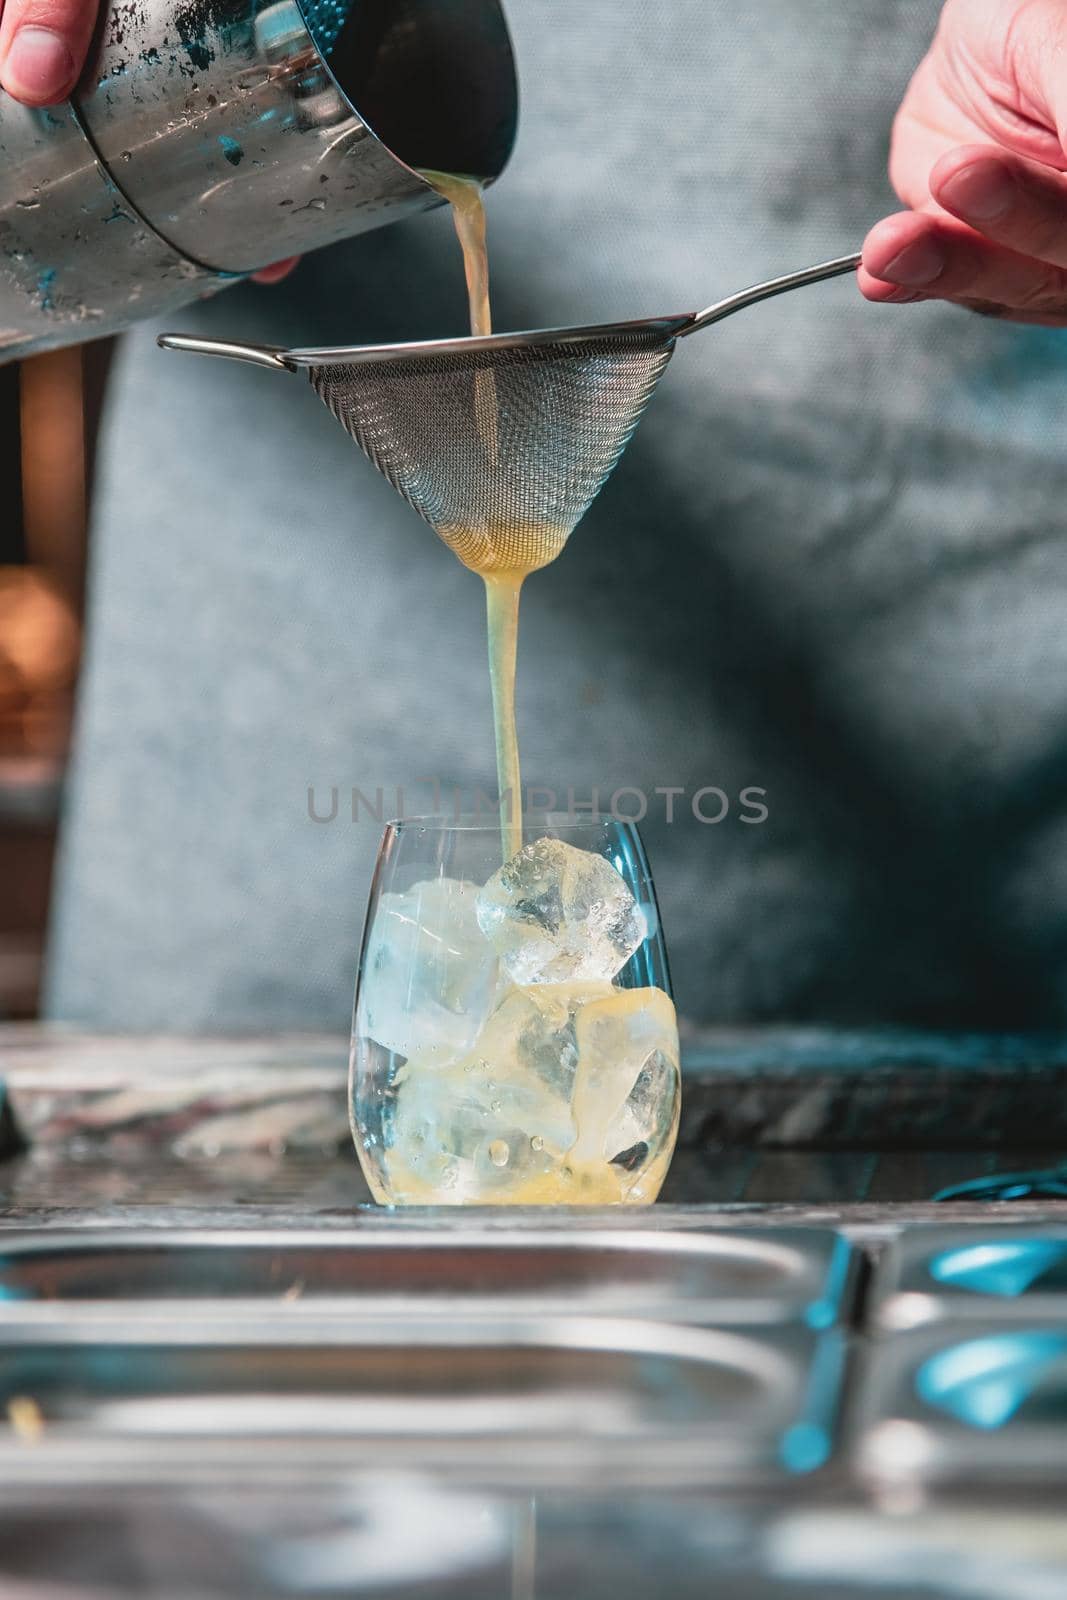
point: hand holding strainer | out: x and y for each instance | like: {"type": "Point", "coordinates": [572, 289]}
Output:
{"type": "Point", "coordinates": [501, 443]}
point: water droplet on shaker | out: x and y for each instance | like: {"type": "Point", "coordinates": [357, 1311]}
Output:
{"type": "Point", "coordinates": [499, 1153]}
{"type": "Point", "coordinates": [537, 1143]}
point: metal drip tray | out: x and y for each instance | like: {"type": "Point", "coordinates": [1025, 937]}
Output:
{"type": "Point", "coordinates": [62, 1281]}
{"type": "Point", "coordinates": [1010, 1273]}
{"type": "Point", "coordinates": [981, 1404]}
{"type": "Point", "coordinates": [628, 1401]}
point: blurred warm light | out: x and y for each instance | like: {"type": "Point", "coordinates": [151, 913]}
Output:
{"type": "Point", "coordinates": [39, 641]}
{"type": "Point", "coordinates": [53, 465]}
{"type": "Point", "coordinates": [42, 567]}
{"type": "Point", "coordinates": [38, 633]}
{"type": "Point", "coordinates": [40, 601]}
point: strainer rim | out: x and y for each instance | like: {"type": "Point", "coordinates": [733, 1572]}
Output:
{"type": "Point", "coordinates": [668, 329]}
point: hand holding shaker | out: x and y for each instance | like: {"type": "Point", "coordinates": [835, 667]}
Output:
{"type": "Point", "coordinates": [208, 138]}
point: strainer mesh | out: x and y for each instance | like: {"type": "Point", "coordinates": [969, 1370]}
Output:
{"type": "Point", "coordinates": [502, 451]}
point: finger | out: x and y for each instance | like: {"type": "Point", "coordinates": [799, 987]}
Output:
{"type": "Point", "coordinates": [902, 238]}
{"type": "Point", "coordinates": [276, 271]}
{"type": "Point", "coordinates": [1016, 203]}
{"type": "Point", "coordinates": [884, 293]}
{"type": "Point", "coordinates": [945, 261]}
{"type": "Point", "coordinates": [43, 44]}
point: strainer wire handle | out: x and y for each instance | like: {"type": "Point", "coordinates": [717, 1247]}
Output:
{"type": "Point", "coordinates": [257, 355]}
{"type": "Point", "coordinates": [766, 291]}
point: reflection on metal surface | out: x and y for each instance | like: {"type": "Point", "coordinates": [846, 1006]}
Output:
{"type": "Point", "coordinates": [966, 1553]}
{"type": "Point", "coordinates": [455, 1533]}
{"type": "Point", "coordinates": [958, 1407]}
{"type": "Point", "coordinates": [1002, 1268]}
{"type": "Point", "coordinates": [1009, 1271]}
{"type": "Point", "coordinates": [51, 1279]}
{"type": "Point", "coordinates": [984, 1382]}
{"type": "Point", "coordinates": [528, 1403]}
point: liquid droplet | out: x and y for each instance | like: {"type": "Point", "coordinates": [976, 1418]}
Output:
{"type": "Point", "coordinates": [499, 1152]}
{"type": "Point", "coordinates": [537, 1143]}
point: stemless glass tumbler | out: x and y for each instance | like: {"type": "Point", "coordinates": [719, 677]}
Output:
{"type": "Point", "coordinates": [514, 1041]}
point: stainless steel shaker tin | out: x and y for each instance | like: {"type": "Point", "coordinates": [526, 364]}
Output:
{"type": "Point", "coordinates": [210, 138]}
{"type": "Point", "coordinates": [76, 260]}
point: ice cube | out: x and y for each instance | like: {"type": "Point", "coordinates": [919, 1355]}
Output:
{"type": "Point", "coordinates": [626, 1078]}
{"type": "Point", "coordinates": [570, 1089]}
{"type": "Point", "coordinates": [643, 1134]}
{"type": "Point", "coordinates": [429, 976]}
{"type": "Point", "coordinates": [554, 913]}
{"type": "Point", "coordinates": [501, 1116]}
{"type": "Point", "coordinates": [470, 1139]}
{"type": "Point", "coordinates": [542, 1019]}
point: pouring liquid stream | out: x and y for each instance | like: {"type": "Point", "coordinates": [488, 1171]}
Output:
{"type": "Point", "coordinates": [464, 195]}
{"type": "Point", "coordinates": [501, 556]}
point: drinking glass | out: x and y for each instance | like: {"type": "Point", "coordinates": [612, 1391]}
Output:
{"type": "Point", "coordinates": [514, 1041]}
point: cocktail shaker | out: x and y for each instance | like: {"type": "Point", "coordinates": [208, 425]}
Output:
{"type": "Point", "coordinates": [208, 138]}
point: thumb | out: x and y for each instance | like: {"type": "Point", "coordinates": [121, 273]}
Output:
{"type": "Point", "coordinates": [43, 45]}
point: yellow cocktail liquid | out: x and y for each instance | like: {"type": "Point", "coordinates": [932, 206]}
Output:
{"type": "Point", "coordinates": [502, 557]}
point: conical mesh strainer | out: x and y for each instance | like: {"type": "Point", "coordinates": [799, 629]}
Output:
{"type": "Point", "coordinates": [501, 451]}
{"type": "Point", "coordinates": [501, 444]}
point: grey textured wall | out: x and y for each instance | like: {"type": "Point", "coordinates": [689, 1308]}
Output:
{"type": "Point", "coordinates": [830, 565]}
